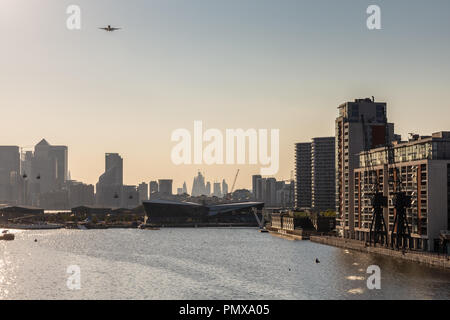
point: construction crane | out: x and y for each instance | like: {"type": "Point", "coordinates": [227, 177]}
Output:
{"type": "Point", "coordinates": [232, 187]}
{"type": "Point", "coordinates": [378, 231]}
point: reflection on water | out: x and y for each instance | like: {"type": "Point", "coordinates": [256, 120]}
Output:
{"type": "Point", "coordinates": [201, 264]}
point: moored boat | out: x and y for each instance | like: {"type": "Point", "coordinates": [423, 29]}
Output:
{"type": "Point", "coordinates": [7, 236]}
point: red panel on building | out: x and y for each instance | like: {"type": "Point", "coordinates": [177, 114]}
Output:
{"type": "Point", "coordinates": [378, 136]}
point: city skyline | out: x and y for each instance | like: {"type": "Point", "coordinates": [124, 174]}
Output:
{"type": "Point", "coordinates": [210, 61]}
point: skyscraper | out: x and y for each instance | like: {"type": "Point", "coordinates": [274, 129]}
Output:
{"type": "Point", "coordinates": [110, 184]}
{"type": "Point", "coordinates": [315, 174]}
{"type": "Point", "coordinates": [224, 187]}
{"type": "Point", "coordinates": [271, 192]}
{"type": "Point", "coordinates": [260, 189]}
{"type": "Point", "coordinates": [361, 125]}
{"type": "Point", "coordinates": [208, 189]}
{"type": "Point", "coordinates": [153, 187]}
{"type": "Point", "coordinates": [49, 166]}
{"type": "Point", "coordinates": [165, 186]}
{"type": "Point", "coordinates": [303, 175]}
{"type": "Point", "coordinates": [217, 192]}
{"type": "Point", "coordinates": [80, 194]}
{"type": "Point", "coordinates": [44, 171]}
{"type": "Point", "coordinates": [143, 191]}
{"type": "Point", "coordinates": [254, 182]}
{"type": "Point", "coordinates": [9, 170]}
{"type": "Point", "coordinates": [199, 186]}
{"type": "Point", "coordinates": [323, 183]}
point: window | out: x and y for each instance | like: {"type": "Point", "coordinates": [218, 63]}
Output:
{"type": "Point", "coordinates": [380, 111]}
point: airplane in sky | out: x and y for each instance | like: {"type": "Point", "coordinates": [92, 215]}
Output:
{"type": "Point", "coordinates": [110, 29]}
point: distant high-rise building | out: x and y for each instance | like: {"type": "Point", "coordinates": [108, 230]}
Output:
{"type": "Point", "coordinates": [254, 182]}
{"type": "Point", "coordinates": [113, 169]}
{"type": "Point", "coordinates": [109, 187]}
{"type": "Point", "coordinates": [184, 188]}
{"type": "Point", "coordinates": [179, 191]}
{"type": "Point", "coordinates": [224, 187]}
{"type": "Point", "coordinates": [361, 125]}
{"type": "Point", "coordinates": [285, 194]}
{"type": "Point", "coordinates": [208, 189]}
{"type": "Point", "coordinates": [271, 192]}
{"type": "Point", "coordinates": [130, 197]}
{"type": "Point", "coordinates": [49, 166]}
{"type": "Point", "coordinates": [80, 194]}
{"type": "Point", "coordinates": [10, 174]}
{"type": "Point", "coordinates": [154, 188]}
{"type": "Point", "coordinates": [315, 174]}
{"type": "Point", "coordinates": [274, 193]}
{"type": "Point", "coordinates": [260, 188]}
{"type": "Point", "coordinates": [143, 191]}
{"type": "Point", "coordinates": [303, 175]}
{"type": "Point", "coordinates": [323, 182]}
{"type": "Point", "coordinates": [217, 192]}
{"type": "Point", "coordinates": [165, 186]}
{"type": "Point", "coordinates": [45, 171]}
{"type": "Point", "coordinates": [199, 186]}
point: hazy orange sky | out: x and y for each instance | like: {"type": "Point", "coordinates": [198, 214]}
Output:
{"type": "Point", "coordinates": [231, 64]}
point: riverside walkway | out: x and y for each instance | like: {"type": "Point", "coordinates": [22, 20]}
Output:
{"type": "Point", "coordinates": [428, 258]}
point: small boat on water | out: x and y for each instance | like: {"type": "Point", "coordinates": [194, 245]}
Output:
{"type": "Point", "coordinates": [148, 227]}
{"type": "Point", "coordinates": [7, 236]}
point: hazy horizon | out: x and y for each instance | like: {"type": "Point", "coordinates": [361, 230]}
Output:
{"type": "Point", "coordinates": [231, 64]}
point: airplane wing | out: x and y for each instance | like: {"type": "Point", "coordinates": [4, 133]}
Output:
{"type": "Point", "coordinates": [114, 29]}
{"type": "Point", "coordinates": [104, 28]}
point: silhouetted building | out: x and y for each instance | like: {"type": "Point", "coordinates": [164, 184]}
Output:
{"type": "Point", "coordinates": [323, 181]}
{"type": "Point", "coordinates": [361, 125]}
{"type": "Point", "coordinates": [9, 174]}
{"type": "Point", "coordinates": [44, 171]}
{"type": "Point", "coordinates": [109, 186]}
{"type": "Point", "coordinates": [224, 187]}
{"type": "Point", "coordinates": [143, 191]}
{"type": "Point", "coordinates": [254, 183]}
{"type": "Point", "coordinates": [154, 188]}
{"type": "Point", "coordinates": [199, 186]}
{"type": "Point", "coordinates": [272, 192]}
{"type": "Point", "coordinates": [303, 175]}
{"type": "Point", "coordinates": [80, 194]}
{"type": "Point", "coordinates": [217, 192]}
{"type": "Point", "coordinates": [165, 186]}
{"type": "Point", "coordinates": [54, 200]}
{"type": "Point", "coordinates": [130, 197]}
{"type": "Point", "coordinates": [208, 189]}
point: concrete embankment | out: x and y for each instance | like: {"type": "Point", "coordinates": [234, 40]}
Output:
{"type": "Point", "coordinates": [430, 259]}
{"type": "Point", "coordinates": [289, 234]}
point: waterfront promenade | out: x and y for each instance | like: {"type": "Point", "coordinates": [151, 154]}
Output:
{"type": "Point", "coordinates": [427, 258]}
